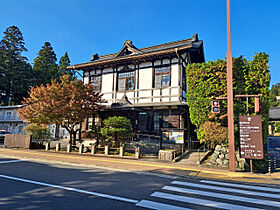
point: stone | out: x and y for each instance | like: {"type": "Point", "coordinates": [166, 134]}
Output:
{"type": "Point", "coordinates": [225, 163]}
{"type": "Point", "coordinates": [224, 149]}
{"type": "Point", "coordinates": [69, 148]}
{"type": "Point", "coordinates": [106, 150]}
{"type": "Point", "coordinates": [57, 147]}
{"type": "Point", "coordinates": [218, 148]}
{"type": "Point", "coordinates": [241, 163]}
{"type": "Point", "coordinates": [216, 152]}
{"type": "Point", "coordinates": [221, 156]}
{"type": "Point", "coordinates": [219, 162]}
{"type": "Point", "coordinates": [227, 156]}
{"type": "Point", "coordinates": [237, 155]}
{"type": "Point", "coordinates": [121, 151]}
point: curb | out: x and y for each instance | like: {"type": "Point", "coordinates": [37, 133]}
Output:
{"type": "Point", "coordinates": [192, 171]}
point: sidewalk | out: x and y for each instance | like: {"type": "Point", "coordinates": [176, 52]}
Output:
{"type": "Point", "coordinates": [142, 165]}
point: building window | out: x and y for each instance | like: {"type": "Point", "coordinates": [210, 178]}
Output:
{"type": "Point", "coordinates": [96, 82]}
{"type": "Point", "coordinates": [20, 129]}
{"type": "Point", "coordinates": [161, 120]}
{"type": "Point", "coordinates": [162, 77]}
{"type": "Point", "coordinates": [126, 81]}
{"type": "Point", "coordinates": [8, 115]}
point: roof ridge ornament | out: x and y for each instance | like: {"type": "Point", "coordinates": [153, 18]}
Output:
{"type": "Point", "coordinates": [128, 49]}
{"type": "Point", "coordinates": [195, 37]}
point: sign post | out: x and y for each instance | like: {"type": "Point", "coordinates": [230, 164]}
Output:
{"type": "Point", "coordinates": [251, 142]}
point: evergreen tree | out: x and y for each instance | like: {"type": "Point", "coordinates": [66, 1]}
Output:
{"type": "Point", "coordinates": [274, 91]}
{"type": "Point", "coordinates": [15, 72]}
{"type": "Point", "coordinates": [63, 63]}
{"type": "Point", "coordinates": [45, 67]}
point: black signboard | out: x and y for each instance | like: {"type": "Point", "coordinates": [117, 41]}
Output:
{"type": "Point", "coordinates": [251, 142]}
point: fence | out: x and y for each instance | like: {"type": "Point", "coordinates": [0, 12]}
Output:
{"type": "Point", "coordinates": [17, 140]}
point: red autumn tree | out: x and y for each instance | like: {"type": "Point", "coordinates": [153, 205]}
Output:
{"type": "Point", "coordinates": [67, 104]}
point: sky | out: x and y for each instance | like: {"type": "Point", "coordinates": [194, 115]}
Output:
{"type": "Point", "coordinates": [85, 27]}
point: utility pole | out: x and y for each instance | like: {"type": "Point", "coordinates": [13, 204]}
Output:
{"type": "Point", "coordinates": [230, 95]}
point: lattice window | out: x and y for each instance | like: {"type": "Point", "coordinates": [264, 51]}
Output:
{"type": "Point", "coordinates": [162, 77]}
{"type": "Point", "coordinates": [96, 82]}
{"type": "Point", "coordinates": [126, 81]}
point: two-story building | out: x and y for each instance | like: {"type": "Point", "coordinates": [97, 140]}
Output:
{"type": "Point", "coordinates": [10, 121]}
{"type": "Point", "coordinates": [147, 85]}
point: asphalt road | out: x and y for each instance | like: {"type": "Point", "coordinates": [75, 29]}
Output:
{"type": "Point", "coordinates": [33, 185]}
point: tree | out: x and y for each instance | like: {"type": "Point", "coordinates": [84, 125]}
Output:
{"type": "Point", "coordinates": [63, 63]}
{"type": "Point", "coordinates": [15, 72]}
{"type": "Point", "coordinates": [39, 132]}
{"type": "Point", "coordinates": [274, 91]}
{"type": "Point", "coordinates": [116, 129]}
{"type": "Point", "coordinates": [67, 104]}
{"type": "Point", "coordinates": [207, 80]}
{"type": "Point", "coordinates": [45, 67]}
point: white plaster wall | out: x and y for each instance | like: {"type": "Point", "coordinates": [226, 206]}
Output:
{"type": "Point", "coordinates": [174, 75]}
{"type": "Point", "coordinates": [86, 80]}
{"type": "Point", "coordinates": [107, 83]}
{"type": "Point", "coordinates": [145, 78]}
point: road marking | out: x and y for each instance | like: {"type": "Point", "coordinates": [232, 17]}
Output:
{"type": "Point", "coordinates": [242, 186]}
{"type": "Point", "coordinates": [70, 189]}
{"type": "Point", "coordinates": [10, 161]}
{"type": "Point", "coordinates": [223, 196]}
{"type": "Point", "coordinates": [197, 201]}
{"type": "Point", "coordinates": [133, 163]}
{"type": "Point", "coordinates": [160, 206]}
{"type": "Point", "coordinates": [211, 187]}
{"type": "Point", "coordinates": [228, 174]}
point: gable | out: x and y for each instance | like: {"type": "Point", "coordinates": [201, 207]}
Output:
{"type": "Point", "coordinates": [128, 49]}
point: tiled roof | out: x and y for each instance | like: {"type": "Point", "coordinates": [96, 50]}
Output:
{"type": "Point", "coordinates": [185, 43]}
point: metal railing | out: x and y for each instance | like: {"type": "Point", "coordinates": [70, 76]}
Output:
{"type": "Point", "coordinates": [9, 118]}
{"type": "Point", "coordinates": [203, 149]}
{"type": "Point", "coordinates": [272, 164]}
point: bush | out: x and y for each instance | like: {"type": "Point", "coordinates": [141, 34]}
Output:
{"type": "Point", "coordinates": [212, 132]}
{"type": "Point", "coordinates": [39, 132]}
{"type": "Point", "coordinates": [276, 127]}
{"type": "Point", "coordinates": [116, 129]}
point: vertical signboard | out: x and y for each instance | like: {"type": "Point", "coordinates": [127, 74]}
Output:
{"type": "Point", "coordinates": [251, 144]}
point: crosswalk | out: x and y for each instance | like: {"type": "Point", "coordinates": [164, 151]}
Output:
{"type": "Point", "coordinates": [208, 194]}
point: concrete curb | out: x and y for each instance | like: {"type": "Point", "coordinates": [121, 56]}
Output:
{"type": "Point", "coordinates": [194, 172]}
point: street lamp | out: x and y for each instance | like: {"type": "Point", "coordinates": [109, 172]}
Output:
{"type": "Point", "coordinates": [230, 95]}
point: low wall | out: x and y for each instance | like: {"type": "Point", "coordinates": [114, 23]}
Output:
{"type": "Point", "coordinates": [17, 140]}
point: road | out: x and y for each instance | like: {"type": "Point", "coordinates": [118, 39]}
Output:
{"type": "Point", "coordinates": [33, 185]}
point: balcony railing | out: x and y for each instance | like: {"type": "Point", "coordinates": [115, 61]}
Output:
{"type": "Point", "coordinates": [9, 118]}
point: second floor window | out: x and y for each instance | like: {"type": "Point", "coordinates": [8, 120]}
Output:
{"type": "Point", "coordinates": [96, 82]}
{"type": "Point", "coordinates": [126, 81]}
{"type": "Point", "coordinates": [162, 77]}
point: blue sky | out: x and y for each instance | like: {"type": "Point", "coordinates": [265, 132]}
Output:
{"type": "Point", "coordinates": [85, 27]}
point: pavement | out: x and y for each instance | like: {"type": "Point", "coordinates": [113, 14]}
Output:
{"type": "Point", "coordinates": [145, 166]}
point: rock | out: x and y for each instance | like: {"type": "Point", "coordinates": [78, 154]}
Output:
{"type": "Point", "coordinates": [219, 162]}
{"type": "Point", "coordinates": [221, 156]}
{"type": "Point", "coordinates": [237, 155]}
{"type": "Point", "coordinates": [224, 149]}
{"type": "Point", "coordinates": [225, 163]}
{"type": "Point", "coordinates": [241, 163]}
{"type": "Point", "coordinates": [218, 148]}
{"type": "Point", "coordinates": [227, 156]}
{"type": "Point", "coordinates": [216, 152]}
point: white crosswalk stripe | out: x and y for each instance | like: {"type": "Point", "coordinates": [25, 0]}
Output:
{"type": "Point", "coordinates": [189, 195]}
{"type": "Point", "coordinates": [211, 187]}
{"type": "Point", "coordinates": [242, 186]}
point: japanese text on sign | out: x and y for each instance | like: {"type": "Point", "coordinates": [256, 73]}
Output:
{"type": "Point", "coordinates": [251, 144]}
